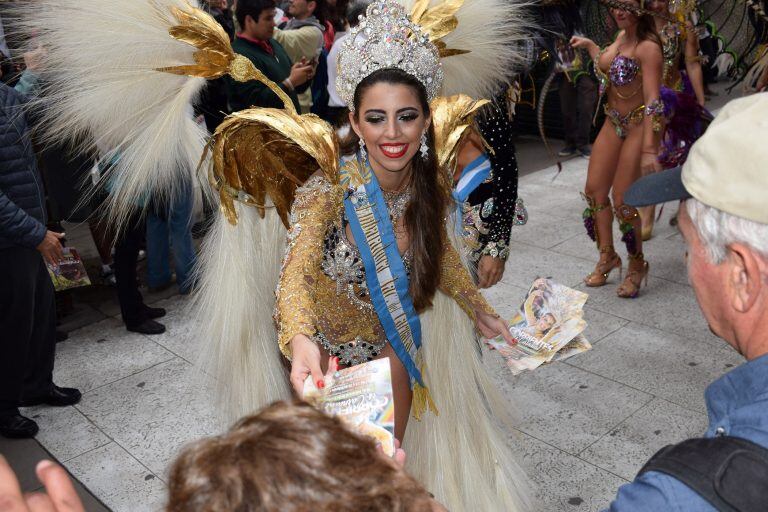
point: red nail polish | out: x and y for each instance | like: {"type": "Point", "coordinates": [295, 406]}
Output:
{"type": "Point", "coordinates": [338, 362]}
{"type": "Point", "coordinates": [320, 384]}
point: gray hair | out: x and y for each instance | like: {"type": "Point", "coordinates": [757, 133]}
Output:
{"type": "Point", "coordinates": [718, 229]}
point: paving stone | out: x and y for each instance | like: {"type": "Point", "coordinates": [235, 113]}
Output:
{"type": "Point", "coordinates": [64, 431]}
{"type": "Point", "coordinates": [568, 407]}
{"type": "Point", "coordinates": [627, 447]}
{"type": "Point", "coordinates": [600, 324]}
{"type": "Point", "coordinates": [119, 480]}
{"type": "Point", "coordinates": [535, 262]}
{"type": "Point", "coordinates": [179, 336]}
{"type": "Point", "coordinates": [664, 305]}
{"type": "Point", "coordinates": [675, 368]}
{"type": "Point", "coordinates": [545, 231]}
{"type": "Point", "coordinates": [153, 413]}
{"type": "Point", "coordinates": [563, 483]}
{"type": "Point", "coordinates": [102, 353]}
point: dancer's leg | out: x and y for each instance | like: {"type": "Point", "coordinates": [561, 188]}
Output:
{"type": "Point", "coordinates": [629, 219]}
{"type": "Point", "coordinates": [598, 217]}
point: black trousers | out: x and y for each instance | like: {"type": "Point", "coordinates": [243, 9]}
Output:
{"type": "Point", "coordinates": [578, 101]}
{"type": "Point", "coordinates": [126, 258]}
{"type": "Point", "coordinates": [27, 327]}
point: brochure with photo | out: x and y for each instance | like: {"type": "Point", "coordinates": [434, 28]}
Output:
{"type": "Point", "coordinates": [361, 396]}
{"type": "Point", "coordinates": [70, 272]}
{"type": "Point", "coordinates": [550, 319]}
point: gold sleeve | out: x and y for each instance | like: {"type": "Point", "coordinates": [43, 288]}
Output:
{"type": "Point", "coordinates": [317, 203]}
{"type": "Point", "coordinates": [456, 282]}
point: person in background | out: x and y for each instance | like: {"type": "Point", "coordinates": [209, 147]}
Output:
{"type": "Point", "coordinates": [256, 19]}
{"type": "Point", "coordinates": [302, 36]}
{"type": "Point", "coordinates": [724, 223]}
{"type": "Point", "coordinates": [27, 304]}
{"type": "Point", "coordinates": [336, 107]}
{"type": "Point", "coordinates": [137, 316]}
{"type": "Point", "coordinates": [170, 220]}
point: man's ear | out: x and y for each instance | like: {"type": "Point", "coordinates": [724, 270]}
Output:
{"type": "Point", "coordinates": [745, 276]}
{"type": "Point", "coordinates": [312, 6]}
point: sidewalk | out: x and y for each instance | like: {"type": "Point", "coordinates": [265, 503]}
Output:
{"type": "Point", "coordinates": [583, 427]}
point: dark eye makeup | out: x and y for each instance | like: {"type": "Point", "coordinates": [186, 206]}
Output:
{"type": "Point", "coordinates": [406, 115]}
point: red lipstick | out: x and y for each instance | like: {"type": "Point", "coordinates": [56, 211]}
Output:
{"type": "Point", "coordinates": [394, 150]}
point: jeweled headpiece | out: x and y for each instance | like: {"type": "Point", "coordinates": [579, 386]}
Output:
{"type": "Point", "coordinates": [387, 38]}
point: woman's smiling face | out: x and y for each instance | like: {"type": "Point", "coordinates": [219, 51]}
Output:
{"type": "Point", "coordinates": [391, 122]}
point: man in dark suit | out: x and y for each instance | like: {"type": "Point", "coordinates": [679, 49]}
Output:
{"type": "Point", "coordinates": [27, 307]}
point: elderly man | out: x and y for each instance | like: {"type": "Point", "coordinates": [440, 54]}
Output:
{"type": "Point", "coordinates": [724, 220]}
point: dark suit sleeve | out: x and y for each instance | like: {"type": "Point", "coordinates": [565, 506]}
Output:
{"type": "Point", "coordinates": [18, 225]}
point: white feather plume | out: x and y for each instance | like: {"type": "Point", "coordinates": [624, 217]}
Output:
{"type": "Point", "coordinates": [723, 63]}
{"type": "Point", "coordinates": [239, 269]}
{"type": "Point", "coordinates": [493, 32]}
{"type": "Point", "coordinates": [101, 87]}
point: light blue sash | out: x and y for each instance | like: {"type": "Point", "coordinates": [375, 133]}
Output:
{"type": "Point", "coordinates": [472, 176]}
{"type": "Point", "coordinates": [385, 272]}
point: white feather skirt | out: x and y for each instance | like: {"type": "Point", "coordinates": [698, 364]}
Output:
{"type": "Point", "coordinates": [239, 269]}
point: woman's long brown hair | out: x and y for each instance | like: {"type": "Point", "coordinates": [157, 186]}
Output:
{"type": "Point", "coordinates": [425, 216]}
{"type": "Point", "coordinates": [646, 29]}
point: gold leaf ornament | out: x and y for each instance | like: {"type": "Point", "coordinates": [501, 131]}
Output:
{"type": "Point", "coordinates": [263, 152]}
{"type": "Point", "coordinates": [438, 22]}
{"type": "Point", "coordinates": [214, 56]}
{"type": "Point", "coordinates": [452, 117]}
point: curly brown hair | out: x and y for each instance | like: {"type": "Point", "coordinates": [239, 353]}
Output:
{"type": "Point", "coordinates": [290, 457]}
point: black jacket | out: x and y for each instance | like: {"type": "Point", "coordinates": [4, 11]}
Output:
{"type": "Point", "coordinates": [22, 199]}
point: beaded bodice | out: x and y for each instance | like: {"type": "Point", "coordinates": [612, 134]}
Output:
{"type": "Point", "coordinates": [623, 70]}
{"type": "Point", "coordinates": [342, 264]}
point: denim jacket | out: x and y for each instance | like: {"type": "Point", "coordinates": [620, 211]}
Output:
{"type": "Point", "coordinates": [737, 404]}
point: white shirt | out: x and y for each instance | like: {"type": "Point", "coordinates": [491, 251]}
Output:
{"type": "Point", "coordinates": [334, 100]}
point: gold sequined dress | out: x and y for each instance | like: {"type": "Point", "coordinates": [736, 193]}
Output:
{"type": "Point", "coordinates": [322, 288]}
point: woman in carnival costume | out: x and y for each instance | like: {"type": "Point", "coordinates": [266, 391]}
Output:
{"type": "Point", "coordinates": [630, 71]}
{"type": "Point", "coordinates": [682, 89]}
{"type": "Point", "coordinates": [370, 269]}
{"type": "Point", "coordinates": [485, 185]}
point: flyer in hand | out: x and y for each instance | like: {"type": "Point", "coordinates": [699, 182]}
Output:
{"type": "Point", "coordinates": [361, 396]}
{"type": "Point", "coordinates": [547, 327]}
{"type": "Point", "coordinates": [70, 272]}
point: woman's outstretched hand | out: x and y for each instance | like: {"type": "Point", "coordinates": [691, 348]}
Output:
{"type": "Point", "coordinates": [581, 42]}
{"type": "Point", "coordinates": [305, 361]}
{"type": "Point", "coordinates": [491, 326]}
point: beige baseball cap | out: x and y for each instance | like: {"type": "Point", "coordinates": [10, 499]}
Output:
{"type": "Point", "coordinates": [727, 168]}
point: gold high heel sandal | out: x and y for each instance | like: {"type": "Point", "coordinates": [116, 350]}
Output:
{"type": "Point", "coordinates": [630, 287]}
{"type": "Point", "coordinates": [603, 269]}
